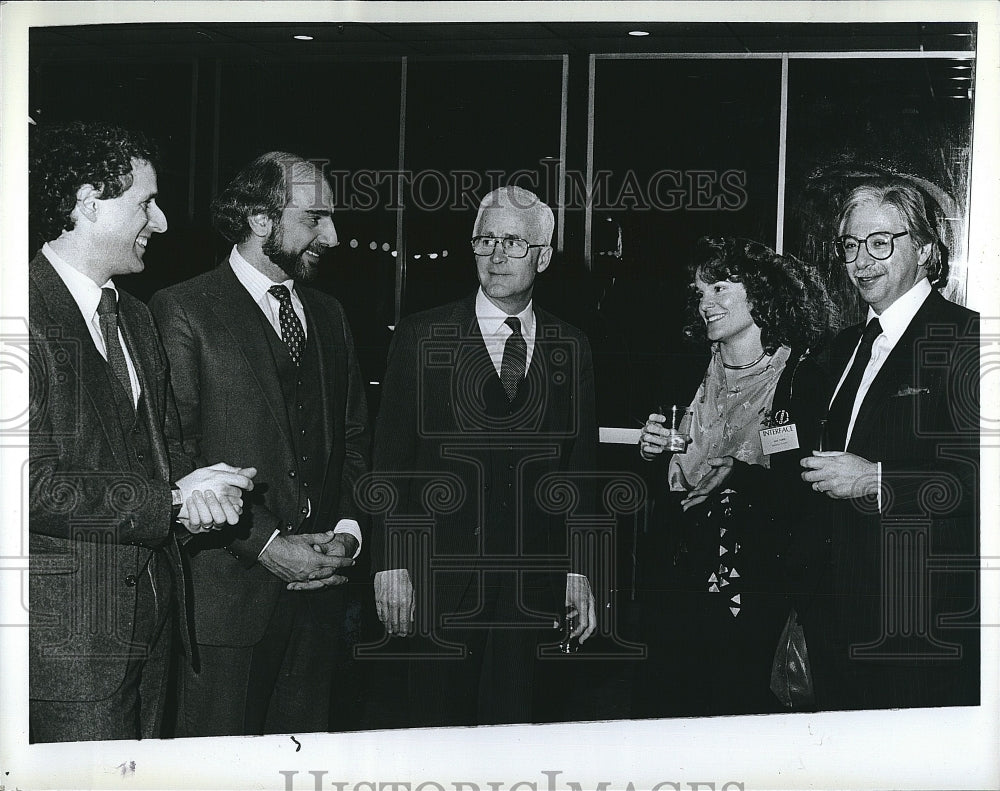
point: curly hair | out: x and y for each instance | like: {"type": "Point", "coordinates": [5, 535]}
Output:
{"type": "Point", "coordinates": [259, 188]}
{"type": "Point", "coordinates": [64, 158]}
{"type": "Point", "coordinates": [787, 298]}
{"type": "Point", "coordinates": [915, 211]}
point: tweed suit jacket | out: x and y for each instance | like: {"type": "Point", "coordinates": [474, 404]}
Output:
{"type": "Point", "coordinates": [93, 521]}
{"type": "Point", "coordinates": [484, 479]}
{"type": "Point", "coordinates": [232, 408]}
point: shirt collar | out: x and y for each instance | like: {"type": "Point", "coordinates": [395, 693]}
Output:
{"type": "Point", "coordinates": [491, 318]}
{"type": "Point", "coordinates": [897, 317]}
{"type": "Point", "coordinates": [85, 292]}
{"type": "Point", "coordinates": [253, 280]}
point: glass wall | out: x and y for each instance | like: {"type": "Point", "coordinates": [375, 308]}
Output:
{"type": "Point", "coordinates": [345, 115]}
{"type": "Point", "coordinates": [471, 126]}
{"type": "Point", "coordinates": [682, 148]}
{"type": "Point", "coordinates": [847, 117]}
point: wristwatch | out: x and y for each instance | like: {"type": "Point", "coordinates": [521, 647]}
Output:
{"type": "Point", "coordinates": [176, 499]}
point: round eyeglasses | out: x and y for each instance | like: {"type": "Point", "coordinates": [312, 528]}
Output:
{"type": "Point", "coordinates": [879, 245]}
{"type": "Point", "coordinates": [512, 246]}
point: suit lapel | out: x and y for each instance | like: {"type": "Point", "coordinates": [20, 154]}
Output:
{"type": "Point", "coordinates": [897, 369]}
{"type": "Point", "coordinates": [237, 311]}
{"type": "Point", "coordinates": [137, 344]}
{"type": "Point", "coordinates": [62, 314]}
{"type": "Point", "coordinates": [474, 358]}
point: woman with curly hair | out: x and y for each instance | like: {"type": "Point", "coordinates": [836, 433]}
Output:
{"type": "Point", "coordinates": [730, 542]}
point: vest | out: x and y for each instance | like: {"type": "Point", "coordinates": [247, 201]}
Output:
{"type": "Point", "coordinates": [501, 498]}
{"type": "Point", "coordinates": [300, 388]}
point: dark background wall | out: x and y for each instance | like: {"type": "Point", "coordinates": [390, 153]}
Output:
{"type": "Point", "coordinates": [677, 135]}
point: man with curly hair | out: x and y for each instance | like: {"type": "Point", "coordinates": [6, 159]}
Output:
{"type": "Point", "coordinates": [106, 579]}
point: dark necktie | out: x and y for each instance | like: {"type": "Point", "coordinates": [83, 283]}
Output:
{"type": "Point", "coordinates": [839, 416]}
{"type": "Point", "coordinates": [107, 311]}
{"type": "Point", "coordinates": [515, 357]}
{"type": "Point", "coordinates": [291, 328]}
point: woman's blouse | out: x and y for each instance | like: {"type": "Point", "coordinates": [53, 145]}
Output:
{"type": "Point", "coordinates": [726, 419]}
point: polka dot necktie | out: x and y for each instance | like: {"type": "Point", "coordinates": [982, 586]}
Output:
{"type": "Point", "coordinates": [515, 357]}
{"type": "Point", "coordinates": [291, 328]}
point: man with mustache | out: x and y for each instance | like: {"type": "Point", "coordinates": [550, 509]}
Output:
{"type": "Point", "coordinates": [898, 626]}
{"type": "Point", "coordinates": [263, 368]}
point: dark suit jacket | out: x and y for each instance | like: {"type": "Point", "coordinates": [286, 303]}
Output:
{"type": "Point", "coordinates": [920, 419]}
{"type": "Point", "coordinates": [232, 409]}
{"type": "Point", "coordinates": [483, 477]}
{"type": "Point", "coordinates": [93, 521]}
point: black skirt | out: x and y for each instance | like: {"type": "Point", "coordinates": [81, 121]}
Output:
{"type": "Point", "coordinates": [713, 601]}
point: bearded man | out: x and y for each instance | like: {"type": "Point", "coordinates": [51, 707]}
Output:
{"type": "Point", "coordinates": [263, 367]}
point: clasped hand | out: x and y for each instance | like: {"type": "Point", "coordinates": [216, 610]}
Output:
{"type": "Point", "coordinates": [722, 469]}
{"type": "Point", "coordinates": [213, 496]}
{"type": "Point", "coordinates": [840, 475]}
{"type": "Point", "coordinates": [310, 561]}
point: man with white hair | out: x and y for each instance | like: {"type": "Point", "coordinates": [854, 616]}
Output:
{"type": "Point", "coordinates": [485, 434]}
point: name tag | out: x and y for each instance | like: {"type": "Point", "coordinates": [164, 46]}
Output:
{"type": "Point", "coordinates": [779, 438]}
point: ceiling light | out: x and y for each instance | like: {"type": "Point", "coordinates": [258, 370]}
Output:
{"type": "Point", "coordinates": [638, 32]}
{"type": "Point", "coordinates": [303, 38]}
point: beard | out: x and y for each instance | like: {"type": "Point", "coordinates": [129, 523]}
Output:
{"type": "Point", "coordinates": [288, 261]}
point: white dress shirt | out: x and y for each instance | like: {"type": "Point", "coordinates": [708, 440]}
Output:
{"type": "Point", "coordinates": [257, 284]}
{"type": "Point", "coordinates": [87, 295]}
{"type": "Point", "coordinates": [894, 321]}
{"type": "Point", "coordinates": [495, 332]}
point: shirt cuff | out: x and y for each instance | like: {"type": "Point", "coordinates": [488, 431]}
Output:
{"type": "Point", "coordinates": [352, 528]}
{"type": "Point", "coordinates": [574, 574]}
{"type": "Point", "coordinates": [267, 544]}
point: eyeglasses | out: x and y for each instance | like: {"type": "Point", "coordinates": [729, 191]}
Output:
{"type": "Point", "coordinates": [512, 246]}
{"type": "Point", "coordinates": [879, 245]}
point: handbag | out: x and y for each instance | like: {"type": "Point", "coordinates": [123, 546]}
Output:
{"type": "Point", "coordinates": [791, 677]}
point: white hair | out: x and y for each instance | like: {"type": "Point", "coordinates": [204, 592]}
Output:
{"type": "Point", "coordinates": [520, 199]}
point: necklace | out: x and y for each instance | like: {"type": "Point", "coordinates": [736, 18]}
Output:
{"type": "Point", "coordinates": [744, 367]}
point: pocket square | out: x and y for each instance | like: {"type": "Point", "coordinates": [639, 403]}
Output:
{"type": "Point", "coordinates": [906, 390]}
